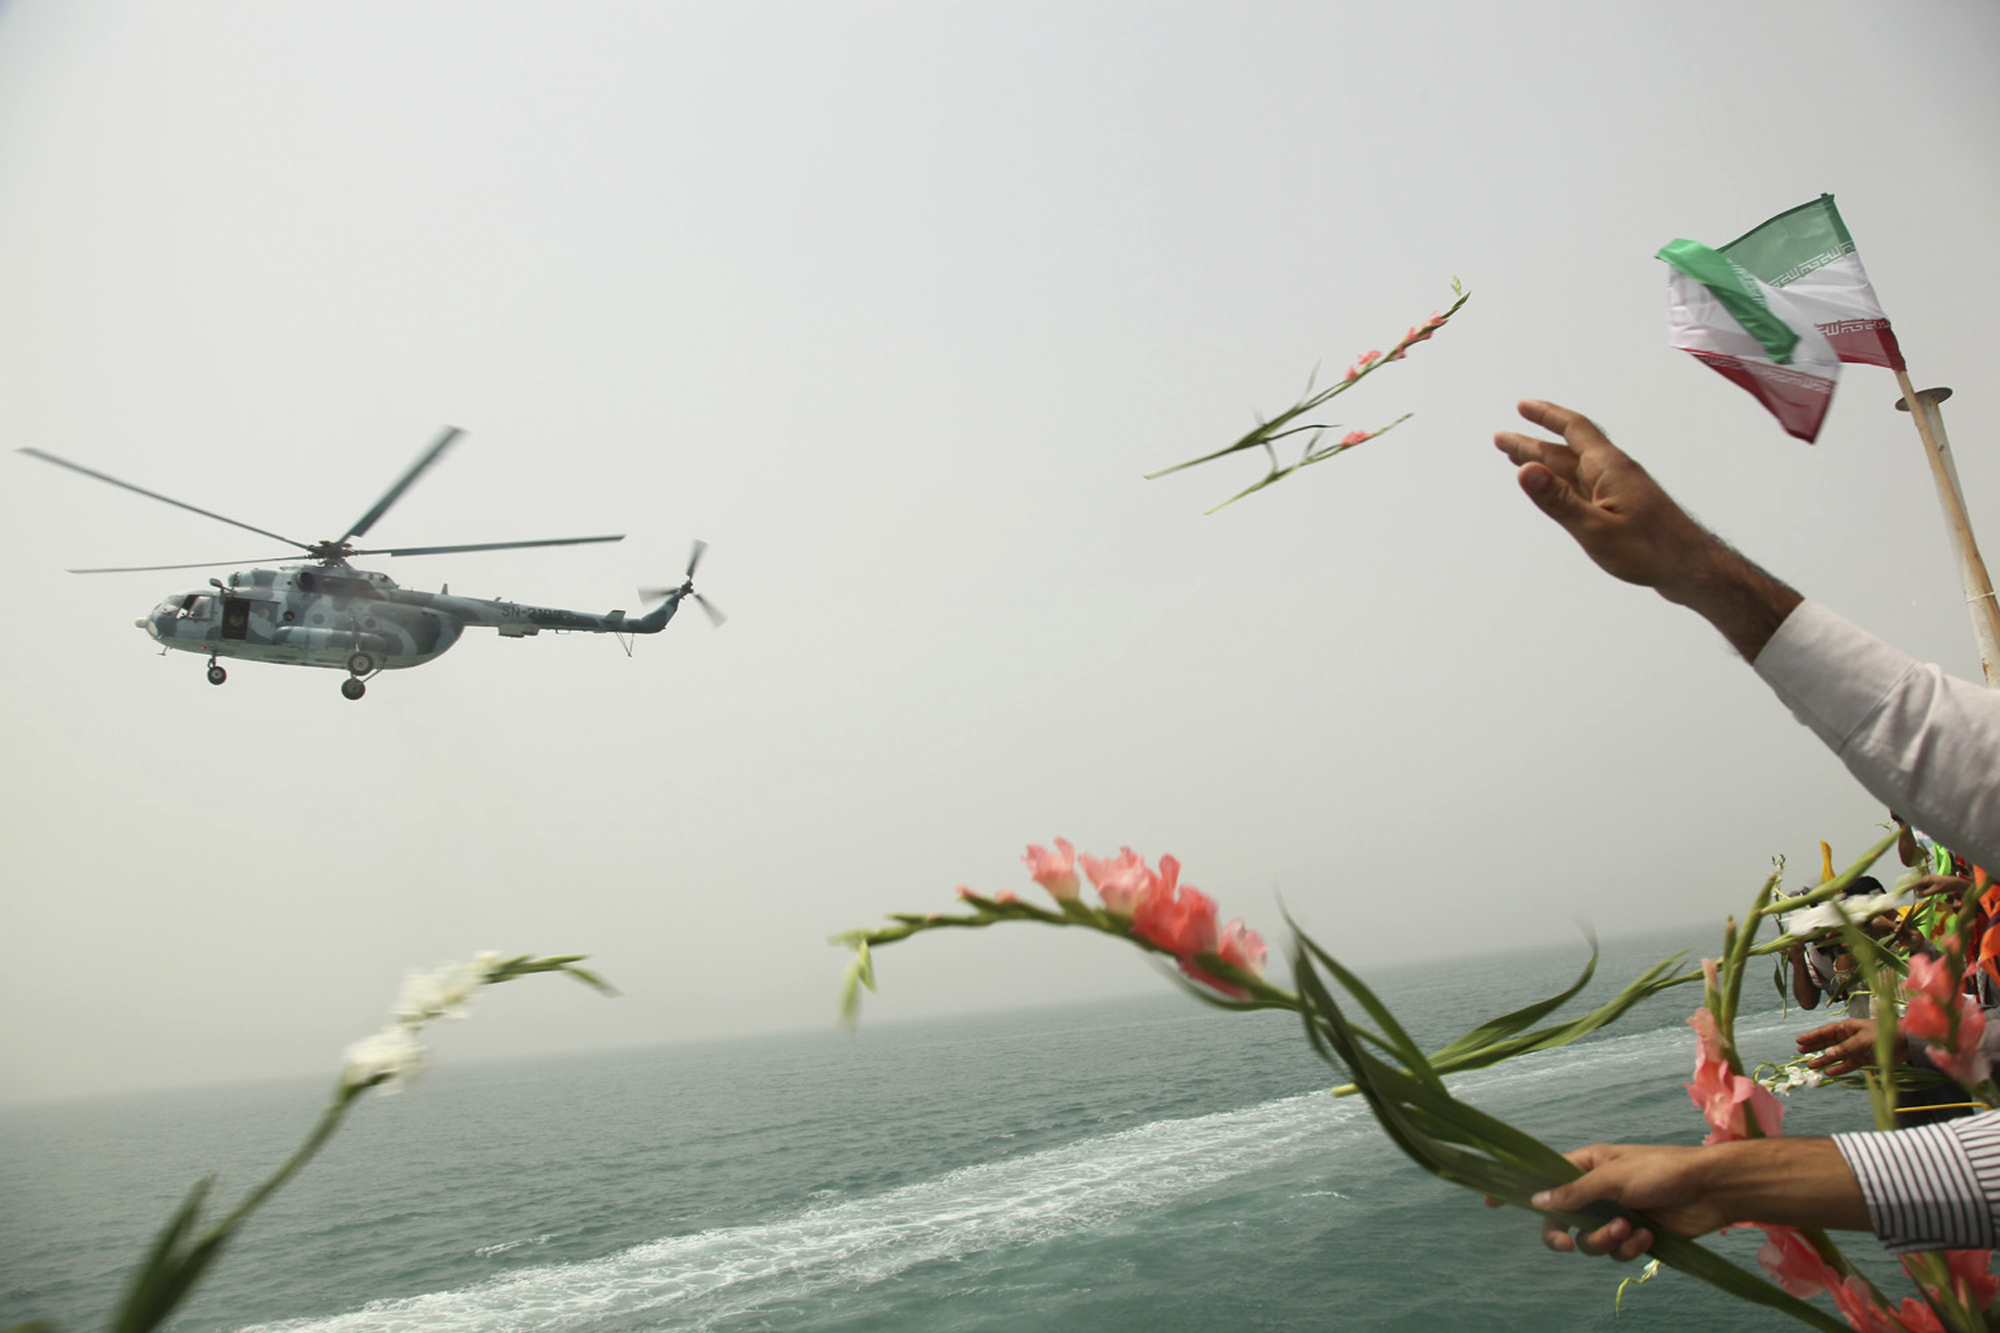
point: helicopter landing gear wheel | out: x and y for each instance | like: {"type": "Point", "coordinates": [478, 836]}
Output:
{"type": "Point", "coordinates": [360, 664]}
{"type": "Point", "coordinates": [353, 688]}
{"type": "Point", "coordinates": [216, 675]}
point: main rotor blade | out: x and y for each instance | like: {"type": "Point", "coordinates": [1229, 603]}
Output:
{"type": "Point", "coordinates": [202, 564]}
{"type": "Point", "coordinates": [395, 493]}
{"type": "Point", "coordinates": [164, 499]}
{"type": "Point", "coordinates": [486, 546]}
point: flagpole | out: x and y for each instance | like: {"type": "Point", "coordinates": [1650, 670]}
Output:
{"type": "Point", "coordinates": [1985, 608]}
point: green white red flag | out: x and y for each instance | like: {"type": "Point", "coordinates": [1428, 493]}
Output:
{"type": "Point", "coordinates": [1777, 309]}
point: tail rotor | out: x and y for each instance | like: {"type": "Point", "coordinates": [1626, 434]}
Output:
{"type": "Point", "coordinates": [686, 589]}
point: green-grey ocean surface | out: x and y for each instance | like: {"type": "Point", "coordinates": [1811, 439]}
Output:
{"type": "Point", "coordinates": [1148, 1166]}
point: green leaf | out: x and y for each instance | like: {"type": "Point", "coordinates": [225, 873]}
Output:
{"type": "Point", "coordinates": [1419, 1116]}
{"type": "Point", "coordinates": [1506, 1025]}
{"type": "Point", "coordinates": [593, 980]}
{"type": "Point", "coordinates": [1412, 1055]}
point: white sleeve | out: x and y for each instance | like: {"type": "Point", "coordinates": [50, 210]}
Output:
{"type": "Point", "coordinates": [1923, 743]}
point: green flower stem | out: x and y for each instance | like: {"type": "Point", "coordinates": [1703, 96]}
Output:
{"type": "Point", "coordinates": [172, 1269]}
{"type": "Point", "coordinates": [990, 911]}
{"type": "Point", "coordinates": [329, 1121]}
{"type": "Point", "coordinates": [1266, 434]}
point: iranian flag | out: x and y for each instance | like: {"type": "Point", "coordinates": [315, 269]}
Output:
{"type": "Point", "coordinates": [1778, 309]}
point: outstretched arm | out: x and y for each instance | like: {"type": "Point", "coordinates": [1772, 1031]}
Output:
{"type": "Point", "coordinates": [1634, 531]}
{"type": "Point", "coordinates": [1691, 1191]}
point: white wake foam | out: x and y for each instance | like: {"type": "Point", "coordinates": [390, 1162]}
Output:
{"type": "Point", "coordinates": [688, 1282]}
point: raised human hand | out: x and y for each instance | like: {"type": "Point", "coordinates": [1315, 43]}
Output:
{"type": "Point", "coordinates": [1633, 529]}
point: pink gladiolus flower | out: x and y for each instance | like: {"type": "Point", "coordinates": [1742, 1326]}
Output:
{"type": "Point", "coordinates": [1967, 1063]}
{"type": "Point", "coordinates": [1920, 1318]}
{"type": "Point", "coordinates": [1054, 871]}
{"type": "Point", "coordinates": [1932, 976]}
{"type": "Point", "coordinates": [1242, 948]}
{"type": "Point", "coordinates": [1724, 1097]}
{"type": "Point", "coordinates": [1859, 1307]}
{"type": "Point", "coordinates": [1423, 331]}
{"type": "Point", "coordinates": [1794, 1264]}
{"type": "Point", "coordinates": [1368, 359]}
{"type": "Point", "coordinates": [1181, 919]}
{"type": "Point", "coordinates": [1006, 896]}
{"type": "Point", "coordinates": [1972, 1280]}
{"type": "Point", "coordinates": [1357, 437]}
{"type": "Point", "coordinates": [1119, 882]}
{"type": "Point", "coordinates": [1935, 1000]}
{"type": "Point", "coordinates": [1927, 1019]}
{"type": "Point", "coordinates": [1972, 1277]}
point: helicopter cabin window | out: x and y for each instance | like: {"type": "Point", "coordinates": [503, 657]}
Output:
{"type": "Point", "coordinates": [235, 618]}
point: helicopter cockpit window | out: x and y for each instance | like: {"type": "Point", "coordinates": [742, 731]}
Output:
{"type": "Point", "coordinates": [197, 606]}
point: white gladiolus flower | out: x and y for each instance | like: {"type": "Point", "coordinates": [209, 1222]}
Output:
{"type": "Point", "coordinates": [443, 993]}
{"type": "Point", "coordinates": [1793, 1075]}
{"type": "Point", "coordinates": [390, 1055]}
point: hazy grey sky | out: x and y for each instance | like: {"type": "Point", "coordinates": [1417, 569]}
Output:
{"type": "Point", "coordinates": [894, 304]}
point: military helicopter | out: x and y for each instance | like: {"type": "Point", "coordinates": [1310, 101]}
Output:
{"type": "Point", "coordinates": [330, 614]}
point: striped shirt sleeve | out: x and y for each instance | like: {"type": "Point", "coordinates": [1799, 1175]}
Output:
{"type": "Point", "coordinates": [1935, 1187]}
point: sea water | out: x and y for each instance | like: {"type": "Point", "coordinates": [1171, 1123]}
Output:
{"type": "Point", "coordinates": [1147, 1165]}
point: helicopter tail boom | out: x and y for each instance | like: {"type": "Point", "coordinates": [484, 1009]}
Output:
{"type": "Point", "coordinates": [655, 620]}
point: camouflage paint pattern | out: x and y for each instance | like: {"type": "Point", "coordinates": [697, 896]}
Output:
{"type": "Point", "coordinates": [306, 615]}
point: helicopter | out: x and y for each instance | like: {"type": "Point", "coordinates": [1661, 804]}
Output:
{"type": "Point", "coordinates": [330, 614]}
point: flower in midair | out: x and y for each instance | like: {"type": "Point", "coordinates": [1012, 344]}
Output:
{"type": "Point", "coordinates": [1421, 333]}
{"type": "Point", "coordinates": [1366, 360]}
{"type": "Point", "coordinates": [1054, 870]}
{"type": "Point", "coordinates": [1357, 437]}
